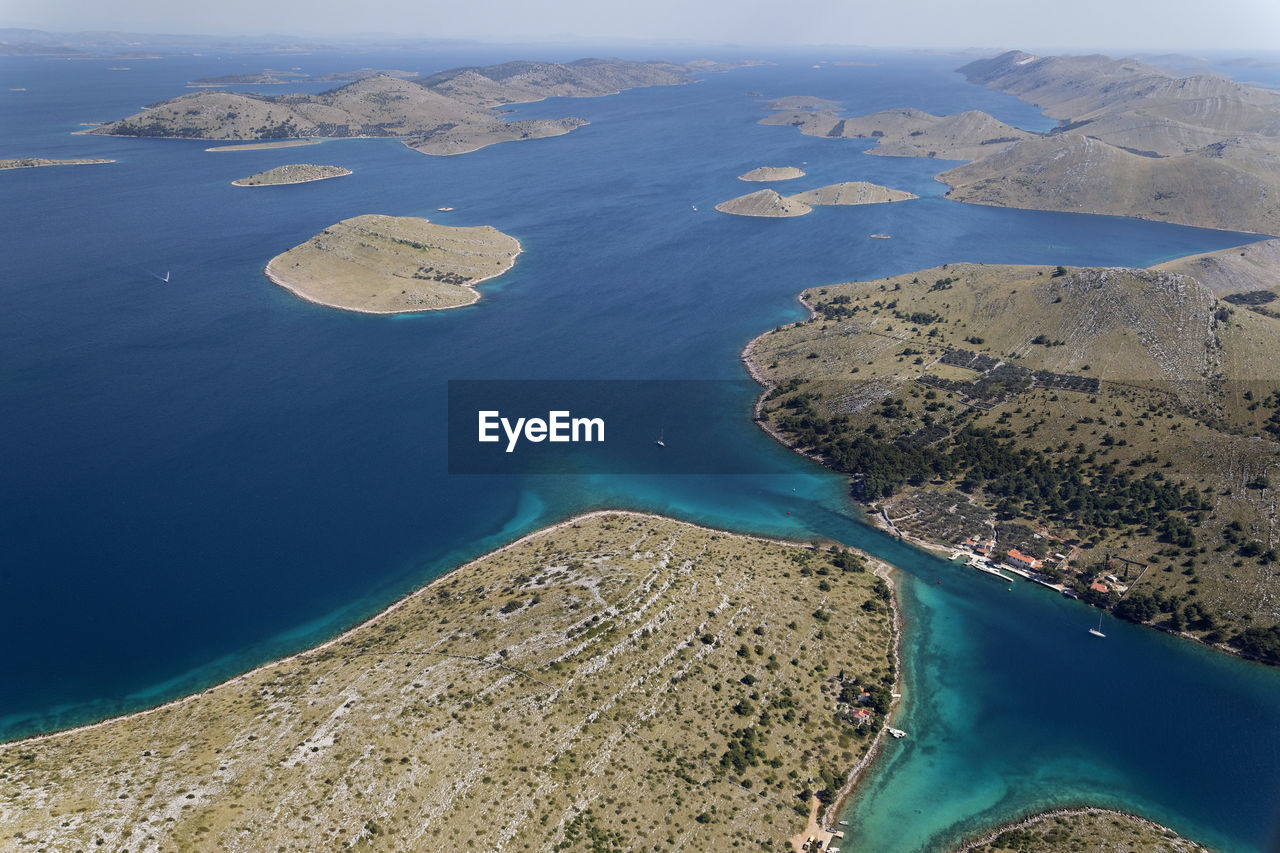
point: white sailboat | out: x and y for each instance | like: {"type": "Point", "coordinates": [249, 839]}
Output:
{"type": "Point", "coordinates": [1097, 632]}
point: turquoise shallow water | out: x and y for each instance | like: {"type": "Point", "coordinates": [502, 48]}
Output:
{"type": "Point", "coordinates": [203, 475]}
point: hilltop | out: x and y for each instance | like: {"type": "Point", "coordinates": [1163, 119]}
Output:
{"type": "Point", "coordinates": [445, 113]}
{"type": "Point", "coordinates": [1233, 184]}
{"type": "Point", "coordinates": [1133, 140]}
{"type": "Point", "coordinates": [1127, 420]}
{"type": "Point", "coordinates": [620, 680]}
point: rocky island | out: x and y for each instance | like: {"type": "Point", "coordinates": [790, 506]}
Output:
{"type": "Point", "coordinates": [293, 173]}
{"type": "Point", "coordinates": [389, 265]}
{"type": "Point", "coordinates": [1132, 140]}
{"type": "Point", "coordinates": [621, 679]}
{"type": "Point", "coordinates": [445, 113]}
{"type": "Point", "coordinates": [770, 203]}
{"type": "Point", "coordinates": [772, 173]}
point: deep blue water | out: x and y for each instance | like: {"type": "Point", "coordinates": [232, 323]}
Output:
{"type": "Point", "coordinates": [205, 474]}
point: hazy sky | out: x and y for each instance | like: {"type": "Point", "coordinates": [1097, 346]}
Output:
{"type": "Point", "coordinates": [1032, 24]}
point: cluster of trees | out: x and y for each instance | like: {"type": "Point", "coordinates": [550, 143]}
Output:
{"type": "Point", "coordinates": [1260, 643]}
{"type": "Point", "coordinates": [1072, 489]}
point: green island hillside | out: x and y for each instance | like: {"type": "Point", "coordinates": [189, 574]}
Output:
{"type": "Point", "coordinates": [617, 682]}
{"type": "Point", "coordinates": [1119, 429]}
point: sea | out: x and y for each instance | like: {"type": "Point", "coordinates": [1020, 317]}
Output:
{"type": "Point", "coordinates": [206, 473]}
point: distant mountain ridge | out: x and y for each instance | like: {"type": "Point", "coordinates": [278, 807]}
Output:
{"type": "Point", "coordinates": [1134, 141]}
{"type": "Point", "coordinates": [446, 113]}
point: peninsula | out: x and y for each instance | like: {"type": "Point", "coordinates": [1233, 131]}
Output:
{"type": "Point", "coordinates": [293, 173]}
{"type": "Point", "coordinates": [1111, 432]}
{"type": "Point", "coordinates": [390, 265]}
{"type": "Point", "coordinates": [446, 113]}
{"type": "Point", "coordinates": [770, 203]}
{"type": "Point", "coordinates": [621, 678]}
{"type": "Point", "coordinates": [1132, 140]}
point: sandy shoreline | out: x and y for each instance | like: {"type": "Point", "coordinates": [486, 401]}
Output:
{"type": "Point", "coordinates": [278, 278]}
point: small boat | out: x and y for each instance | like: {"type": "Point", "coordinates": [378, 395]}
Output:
{"type": "Point", "coordinates": [1097, 632]}
{"type": "Point", "coordinates": [880, 236]}
{"type": "Point", "coordinates": [444, 208]}
{"type": "Point", "coordinates": [695, 208]}
{"type": "Point", "coordinates": [898, 733]}
{"type": "Point", "coordinates": [166, 276]}
{"type": "Point", "coordinates": [660, 442]}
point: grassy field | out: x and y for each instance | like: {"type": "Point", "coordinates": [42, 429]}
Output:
{"type": "Point", "coordinates": [621, 682]}
{"type": "Point", "coordinates": [1124, 419]}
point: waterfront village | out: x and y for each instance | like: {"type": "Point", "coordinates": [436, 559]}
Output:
{"type": "Point", "coordinates": [1053, 569]}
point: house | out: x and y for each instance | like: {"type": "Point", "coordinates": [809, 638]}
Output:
{"type": "Point", "coordinates": [1099, 586]}
{"type": "Point", "coordinates": [862, 715]}
{"type": "Point", "coordinates": [979, 546]}
{"type": "Point", "coordinates": [1023, 561]}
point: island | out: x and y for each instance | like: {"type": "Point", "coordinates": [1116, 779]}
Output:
{"type": "Point", "coordinates": [36, 162]}
{"type": "Point", "coordinates": [1132, 140]}
{"type": "Point", "coordinates": [772, 173]}
{"type": "Point", "coordinates": [361, 73]}
{"type": "Point", "coordinates": [769, 203]}
{"type": "Point", "coordinates": [1078, 830]}
{"type": "Point", "coordinates": [268, 77]}
{"type": "Point", "coordinates": [907, 132]}
{"type": "Point", "coordinates": [1112, 433]}
{"type": "Point", "coordinates": [618, 677]}
{"type": "Point", "coordinates": [293, 173]}
{"type": "Point", "coordinates": [451, 112]}
{"type": "Point", "coordinates": [377, 264]}
{"type": "Point", "coordinates": [764, 203]}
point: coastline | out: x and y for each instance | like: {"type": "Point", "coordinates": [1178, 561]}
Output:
{"type": "Point", "coordinates": [831, 815]}
{"type": "Point", "coordinates": [392, 608]}
{"type": "Point", "coordinates": [1040, 817]}
{"type": "Point", "coordinates": [278, 278]}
